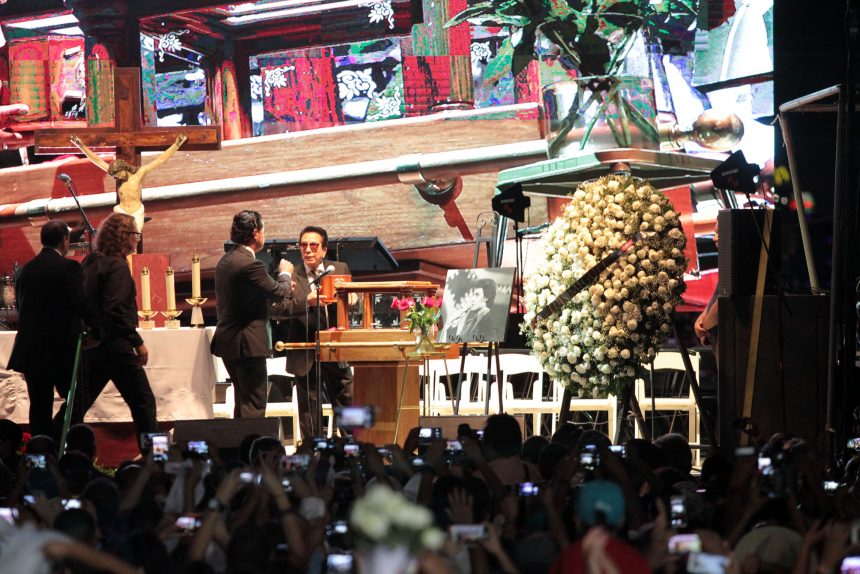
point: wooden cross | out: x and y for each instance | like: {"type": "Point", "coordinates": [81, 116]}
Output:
{"type": "Point", "coordinates": [128, 135]}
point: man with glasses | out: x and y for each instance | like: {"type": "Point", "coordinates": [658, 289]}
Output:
{"type": "Point", "coordinates": [301, 309]}
{"type": "Point", "coordinates": [244, 290]}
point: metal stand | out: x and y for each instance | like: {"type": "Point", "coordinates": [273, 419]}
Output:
{"type": "Point", "coordinates": [196, 311]}
{"type": "Point", "coordinates": [70, 398]}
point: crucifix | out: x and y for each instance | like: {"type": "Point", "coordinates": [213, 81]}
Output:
{"type": "Point", "coordinates": [129, 137]}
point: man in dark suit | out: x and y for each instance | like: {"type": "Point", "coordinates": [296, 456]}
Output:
{"type": "Point", "coordinates": [51, 306]}
{"type": "Point", "coordinates": [244, 290]}
{"type": "Point", "coordinates": [300, 310]}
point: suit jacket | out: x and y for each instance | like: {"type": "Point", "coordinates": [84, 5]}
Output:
{"type": "Point", "coordinates": [109, 288]}
{"type": "Point", "coordinates": [302, 320]}
{"type": "Point", "coordinates": [244, 290]}
{"type": "Point", "coordinates": [50, 297]}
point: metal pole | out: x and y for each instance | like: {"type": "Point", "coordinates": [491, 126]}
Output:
{"type": "Point", "coordinates": [798, 199]}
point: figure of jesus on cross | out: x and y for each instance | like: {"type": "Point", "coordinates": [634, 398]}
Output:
{"type": "Point", "coordinates": [130, 178]}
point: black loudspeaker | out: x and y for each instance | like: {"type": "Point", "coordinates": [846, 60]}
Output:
{"type": "Point", "coordinates": [794, 333]}
{"type": "Point", "coordinates": [225, 434]}
{"type": "Point", "coordinates": [741, 232]}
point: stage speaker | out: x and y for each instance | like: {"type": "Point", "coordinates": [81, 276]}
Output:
{"type": "Point", "coordinates": [793, 335]}
{"type": "Point", "coordinates": [225, 434]}
{"type": "Point", "coordinates": [740, 233]}
{"type": "Point", "coordinates": [449, 424]}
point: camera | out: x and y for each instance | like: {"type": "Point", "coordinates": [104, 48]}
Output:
{"type": "Point", "coordinates": [321, 444]}
{"type": "Point", "coordinates": [353, 417]}
{"type": "Point", "coordinates": [829, 486]}
{"type": "Point", "coordinates": [71, 503]}
{"type": "Point", "coordinates": [854, 443]}
{"type": "Point", "coordinates": [685, 544]}
{"type": "Point", "coordinates": [426, 435]}
{"type": "Point", "coordinates": [9, 514]}
{"type": "Point", "coordinates": [618, 450]}
{"type": "Point", "coordinates": [338, 536]}
{"type": "Point", "coordinates": [589, 458]}
{"type": "Point", "coordinates": [700, 563]}
{"type": "Point", "coordinates": [197, 449]}
{"type": "Point", "coordinates": [467, 532]}
{"type": "Point", "coordinates": [351, 450]}
{"type": "Point", "coordinates": [158, 443]}
{"type": "Point", "coordinates": [338, 564]}
{"type": "Point", "coordinates": [384, 452]}
{"type": "Point", "coordinates": [249, 477]}
{"type": "Point", "coordinates": [528, 489]}
{"type": "Point", "coordinates": [34, 460]}
{"type": "Point", "coordinates": [288, 486]}
{"type": "Point", "coordinates": [296, 462]}
{"type": "Point", "coordinates": [850, 565]}
{"type": "Point", "coordinates": [187, 524]}
{"type": "Point", "coordinates": [417, 461]}
{"type": "Point", "coordinates": [678, 512]}
{"type": "Point", "coordinates": [780, 475]}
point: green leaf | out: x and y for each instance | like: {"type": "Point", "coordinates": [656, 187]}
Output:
{"type": "Point", "coordinates": [483, 9]}
{"type": "Point", "coordinates": [646, 127]}
{"type": "Point", "coordinates": [500, 65]}
{"type": "Point", "coordinates": [563, 34]}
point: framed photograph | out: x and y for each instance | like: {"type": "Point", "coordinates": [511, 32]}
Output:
{"type": "Point", "coordinates": [476, 305]}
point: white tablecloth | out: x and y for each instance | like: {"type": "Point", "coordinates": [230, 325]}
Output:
{"type": "Point", "coordinates": [181, 373]}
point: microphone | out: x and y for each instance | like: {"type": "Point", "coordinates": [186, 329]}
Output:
{"type": "Point", "coordinates": [327, 271]}
{"type": "Point", "coordinates": [64, 177]}
{"type": "Point", "coordinates": [534, 229]}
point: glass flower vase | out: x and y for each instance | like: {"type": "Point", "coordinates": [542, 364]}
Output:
{"type": "Point", "coordinates": [424, 342]}
{"type": "Point", "coordinates": [600, 112]}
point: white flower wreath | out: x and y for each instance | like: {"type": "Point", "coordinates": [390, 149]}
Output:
{"type": "Point", "coordinates": [600, 339]}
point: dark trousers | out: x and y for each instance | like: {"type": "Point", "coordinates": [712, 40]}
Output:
{"type": "Point", "coordinates": [336, 385]}
{"type": "Point", "coordinates": [249, 378]}
{"type": "Point", "coordinates": [41, 382]}
{"type": "Point", "coordinates": [116, 361]}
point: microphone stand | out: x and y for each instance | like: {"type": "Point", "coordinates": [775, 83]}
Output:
{"type": "Point", "coordinates": [318, 352]}
{"type": "Point", "coordinates": [90, 231]}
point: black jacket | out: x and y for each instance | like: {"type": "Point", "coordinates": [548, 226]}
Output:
{"type": "Point", "coordinates": [109, 287]}
{"type": "Point", "coordinates": [51, 306]}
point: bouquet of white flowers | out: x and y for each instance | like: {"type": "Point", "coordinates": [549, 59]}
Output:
{"type": "Point", "coordinates": [600, 339]}
{"type": "Point", "coordinates": [384, 517]}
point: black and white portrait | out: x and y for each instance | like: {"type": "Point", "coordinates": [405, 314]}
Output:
{"type": "Point", "coordinates": [476, 305]}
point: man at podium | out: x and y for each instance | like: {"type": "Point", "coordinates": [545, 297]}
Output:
{"type": "Point", "coordinates": [301, 309]}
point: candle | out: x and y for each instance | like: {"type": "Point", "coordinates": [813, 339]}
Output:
{"type": "Point", "coordinates": [195, 276]}
{"type": "Point", "coordinates": [144, 289]}
{"type": "Point", "coordinates": [171, 289]}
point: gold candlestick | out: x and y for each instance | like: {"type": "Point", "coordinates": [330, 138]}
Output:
{"type": "Point", "coordinates": [171, 315]}
{"type": "Point", "coordinates": [196, 311]}
{"type": "Point", "coordinates": [146, 317]}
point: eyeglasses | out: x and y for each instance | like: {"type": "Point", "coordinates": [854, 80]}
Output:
{"type": "Point", "coordinates": [138, 233]}
{"type": "Point", "coordinates": [311, 246]}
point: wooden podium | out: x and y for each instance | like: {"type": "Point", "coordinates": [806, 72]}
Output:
{"type": "Point", "coordinates": [381, 377]}
{"type": "Point", "coordinates": [384, 377]}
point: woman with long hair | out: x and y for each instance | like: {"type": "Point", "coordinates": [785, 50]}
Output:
{"type": "Point", "coordinates": [120, 354]}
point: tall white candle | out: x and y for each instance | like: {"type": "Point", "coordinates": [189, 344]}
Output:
{"type": "Point", "coordinates": [195, 276]}
{"type": "Point", "coordinates": [171, 289]}
{"type": "Point", "coordinates": [144, 289]}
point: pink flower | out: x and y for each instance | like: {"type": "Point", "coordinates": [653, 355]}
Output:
{"type": "Point", "coordinates": [405, 304]}
{"type": "Point", "coordinates": [395, 303]}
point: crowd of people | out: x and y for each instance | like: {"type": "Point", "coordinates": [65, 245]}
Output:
{"type": "Point", "coordinates": [572, 502]}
